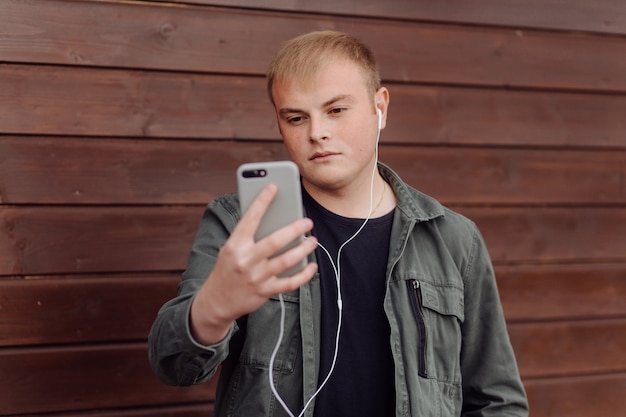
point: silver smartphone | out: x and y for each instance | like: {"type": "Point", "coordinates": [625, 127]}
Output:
{"type": "Point", "coordinates": [286, 206]}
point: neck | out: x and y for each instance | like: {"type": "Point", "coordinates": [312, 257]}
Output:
{"type": "Point", "coordinates": [355, 201]}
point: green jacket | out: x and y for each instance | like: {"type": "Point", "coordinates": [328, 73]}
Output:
{"type": "Point", "coordinates": [449, 339]}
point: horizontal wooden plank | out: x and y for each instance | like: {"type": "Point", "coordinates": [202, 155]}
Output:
{"type": "Point", "coordinates": [51, 100]}
{"type": "Point", "coordinates": [203, 409]}
{"type": "Point", "coordinates": [569, 348]}
{"type": "Point", "coordinates": [552, 235]}
{"type": "Point", "coordinates": [116, 171]}
{"type": "Point", "coordinates": [56, 379]}
{"type": "Point", "coordinates": [82, 386]}
{"type": "Point", "coordinates": [605, 16]}
{"type": "Point", "coordinates": [101, 308]}
{"type": "Point", "coordinates": [82, 309]}
{"type": "Point", "coordinates": [75, 310]}
{"type": "Point", "coordinates": [159, 36]}
{"type": "Point", "coordinates": [57, 240]}
{"type": "Point", "coordinates": [597, 395]}
{"type": "Point", "coordinates": [469, 175]}
{"type": "Point", "coordinates": [562, 292]}
{"type": "Point", "coordinates": [419, 114]}
{"type": "Point", "coordinates": [192, 410]}
{"type": "Point", "coordinates": [51, 313]}
{"type": "Point", "coordinates": [50, 240]}
{"type": "Point", "coordinates": [74, 101]}
{"type": "Point", "coordinates": [85, 378]}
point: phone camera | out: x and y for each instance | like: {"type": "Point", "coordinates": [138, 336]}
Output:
{"type": "Point", "coordinates": [254, 173]}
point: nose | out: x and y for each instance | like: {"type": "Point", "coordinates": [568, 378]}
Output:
{"type": "Point", "coordinates": [318, 129]}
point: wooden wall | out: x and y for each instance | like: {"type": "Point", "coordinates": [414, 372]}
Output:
{"type": "Point", "coordinates": [120, 120]}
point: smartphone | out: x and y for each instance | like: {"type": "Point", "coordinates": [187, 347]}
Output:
{"type": "Point", "coordinates": [286, 206]}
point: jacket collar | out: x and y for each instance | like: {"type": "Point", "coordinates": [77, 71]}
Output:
{"type": "Point", "coordinates": [414, 204]}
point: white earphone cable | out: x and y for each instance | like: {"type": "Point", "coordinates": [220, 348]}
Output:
{"type": "Point", "coordinates": [337, 269]}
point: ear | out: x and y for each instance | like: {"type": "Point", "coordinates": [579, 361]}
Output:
{"type": "Point", "coordinates": [381, 101]}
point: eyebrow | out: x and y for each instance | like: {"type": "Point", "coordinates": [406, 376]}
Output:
{"type": "Point", "coordinates": [330, 102]}
{"type": "Point", "coordinates": [338, 98]}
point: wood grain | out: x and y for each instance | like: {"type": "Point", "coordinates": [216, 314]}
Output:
{"type": "Point", "coordinates": [208, 39]}
{"type": "Point", "coordinates": [582, 396]}
{"type": "Point", "coordinates": [562, 292]}
{"type": "Point", "coordinates": [501, 117]}
{"type": "Point", "coordinates": [48, 240]}
{"type": "Point", "coordinates": [53, 100]}
{"type": "Point", "coordinates": [606, 16]}
{"type": "Point", "coordinates": [54, 379]}
{"type": "Point", "coordinates": [192, 410]}
{"type": "Point", "coordinates": [44, 310]}
{"type": "Point", "coordinates": [56, 240]}
{"type": "Point", "coordinates": [499, 176]}
{"type": "Point", "coordinates": [561, 348]}
{"type": "Point", "coordinates": [82, 378]}
{"type": "Point", "coordinates": [123, 171]}
{"type": "Point", "coordinates": [82, 309]}
{"type": "Point", "coordinates": [539, 235]}
{"type": "Point", "coordinates": [42, 170]}
{"type": "Point", "coordinates": [103, 102]}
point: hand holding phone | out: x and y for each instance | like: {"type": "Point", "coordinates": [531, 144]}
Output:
{"type": "Point", "coordinates": [243, 277]}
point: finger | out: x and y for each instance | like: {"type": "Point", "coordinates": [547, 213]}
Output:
{"type": "Point", "coordinates": [282, 237]}
{"type": "Point", "coordinates": [286, 284]}
{"type": "Point", "coordinates": [252, 217]}
{"type": "Point", "coordinates": [256, 256]}
{"type": "Point", "coordinates": [280, 263]}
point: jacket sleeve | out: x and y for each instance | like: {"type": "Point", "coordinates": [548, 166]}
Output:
{"type": "Point", "coordinates": [491, 382]}
{"type": "Point", "coordinates": [176, 358]}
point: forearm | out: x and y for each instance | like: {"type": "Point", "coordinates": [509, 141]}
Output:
{"type": "Point", "coordinates": [176, 358]}
{"type": "Point", "coordinates": [206, 325]}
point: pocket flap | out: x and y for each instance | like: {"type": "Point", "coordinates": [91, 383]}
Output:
{"type": "Point", "coordinates": [447, 300]}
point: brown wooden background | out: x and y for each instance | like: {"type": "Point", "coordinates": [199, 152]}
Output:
{"type": "Point", "coordinates": [120, 120]}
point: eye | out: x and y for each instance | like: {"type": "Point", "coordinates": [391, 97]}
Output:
{"type": "Point", "coordinates": [294, 120]}
{"type": "Point", "coordinates": [337, 110]}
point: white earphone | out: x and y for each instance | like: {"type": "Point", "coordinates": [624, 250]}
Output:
{"type": "Point", "coordinates": [380, 118]}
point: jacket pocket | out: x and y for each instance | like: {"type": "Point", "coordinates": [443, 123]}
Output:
{"type": "Point", "coordinates": [438, 312]}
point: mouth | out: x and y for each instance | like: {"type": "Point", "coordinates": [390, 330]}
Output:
{"type": "Point", "coordinates": [322, 155]}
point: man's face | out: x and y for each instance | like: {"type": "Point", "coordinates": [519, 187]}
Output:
{"type": "Point", "coordinates": [329, 126]}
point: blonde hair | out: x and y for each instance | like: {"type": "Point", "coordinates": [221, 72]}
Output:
{"type": "Point", "coordinates": [304, 56]}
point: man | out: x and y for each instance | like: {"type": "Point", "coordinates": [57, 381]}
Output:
{"type": "Point", "coordinates": [403, 317]}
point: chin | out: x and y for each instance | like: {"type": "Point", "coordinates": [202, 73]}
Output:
{"type": "Point", "coordinates": [326, 182]}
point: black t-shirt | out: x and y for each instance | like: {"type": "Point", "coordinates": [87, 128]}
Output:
{"type": "Point", "coordinates": [362, 383]}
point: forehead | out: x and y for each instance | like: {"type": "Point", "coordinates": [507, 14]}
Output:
{"type": "Point", "coordinates": [336, 78]}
